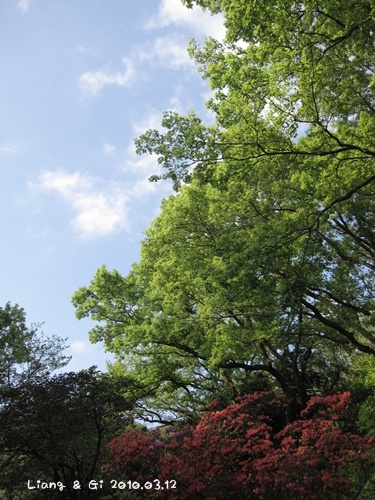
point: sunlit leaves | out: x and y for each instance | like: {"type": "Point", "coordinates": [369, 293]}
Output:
{"type": "Point", "coordinates": [263, 261]}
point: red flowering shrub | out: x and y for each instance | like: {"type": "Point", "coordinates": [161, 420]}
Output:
{"type": "Point", "coordinates": [220, 454]}
{"type": "Point", "coordinates": [147, 456]}
{"type": "Point", "coordinates": [316, 457]}
{"type": "Point", "coordinates": [137, 455]}
{"type": "Point", "coordinates": [247, 451]}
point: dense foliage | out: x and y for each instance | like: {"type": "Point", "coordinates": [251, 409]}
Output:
{"type": "Point", "coordinates": [247, 451]}
{"type": "Point", "coordinates": [56, 429]}
{"type": "Point", "coordinates": [260, 269]}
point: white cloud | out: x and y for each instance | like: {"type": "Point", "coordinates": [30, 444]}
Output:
{"type": "Point", "coordinates": [23, 5]}
{"type": "Point", "coordinates": [10, 148]}
{"type": "Point", "coordinates": [166, 51]}
{"type": "Point", "coordinates": [109, 149]}
{"type": "Point", "coordinates": [78, 346]}
{"type": "Point", "coordinates": [143, 187]}
{"type": "Point", "coordinates": [141, 168]}
{"type": "Point", "coordinates": [202, 23]}
{"type": "Point", "coordinates": [145, 165]}
{"type": "Point", "coordinates": [99, 210]}
{"type": "Point", "coordinates": [171, 53]}
{"type": "Point", "coordinates": [92, 82]}
{"type": "Point", "coordinates": [83, 49]}
{"type": "Point", "coordinates": [84, 355]}
{"type": "Point", "coordinates": [153, 121]}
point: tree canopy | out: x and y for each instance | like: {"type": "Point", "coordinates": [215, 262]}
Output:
{"type": "Point", "coordinates": [260, 269]}
{"type": "Point", "coordinates": [56, 429]}
{"type": "Point", "coordinates": [25, 352]}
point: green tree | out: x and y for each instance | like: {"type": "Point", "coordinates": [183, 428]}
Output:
{"type": "Point", "coordinates": [364, 382]}
{"type": "Point", "coordinates": [209, 304]}
{"type": "Point", "coordinates": [25, 352]}
{"type": "Point", "coordinates": [309, 69]}
{"type": "Point", "coordinates": [263, 262]}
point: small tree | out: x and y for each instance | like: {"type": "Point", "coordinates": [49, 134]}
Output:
{"type": "Point", "coordinates": [26, 352]}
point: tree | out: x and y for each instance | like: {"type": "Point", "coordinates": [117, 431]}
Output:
{"type": "Point", "coordinates": [56, 429]}
{"type": "Point", "coordinates": [300, 67]}
{"type": "Point", "coordinates": [25, 352]}
{"type": "Point", "coordinates": [210, 303]}
{"type": "Point", "coordinates": [263, 262]}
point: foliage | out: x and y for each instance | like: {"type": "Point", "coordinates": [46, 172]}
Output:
{"type": "Point", "coordinates": [247, 451]}
{"type": "Point", "coordinates": [215, 299]}
{"type": "Point", "coordinates": [263, 262]}
{"type": "Point", "coordinates": [365, 380]}
{"type": "Point", "coordinates": [25, 352]}
{"type": "Point", "coordinates": [56, 429]}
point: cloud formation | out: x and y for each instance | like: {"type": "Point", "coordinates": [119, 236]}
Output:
{"type": "Point", "coordinates": [79, 346]}
{"type": "Point", "coordinates": [202, 23]}
{"type": "Point", "coordinates": [171, 53]}
{"type": "Point", "coordinates": [100, 211]}
{"type": "Point", "coordinates": [109, 149]}
{"type": "Point", "coordinates": [23, 5]}
{"type": "Point", "coordinates": [10, 148]}
{"type": "Point", "coordinates": [92, 82]}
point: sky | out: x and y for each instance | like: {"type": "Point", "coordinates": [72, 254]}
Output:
{"type": "Point", "coordinates": [81, 79]}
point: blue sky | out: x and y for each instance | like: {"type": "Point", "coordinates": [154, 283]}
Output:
{"type": "Point", "coordinates": [81, 79]}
